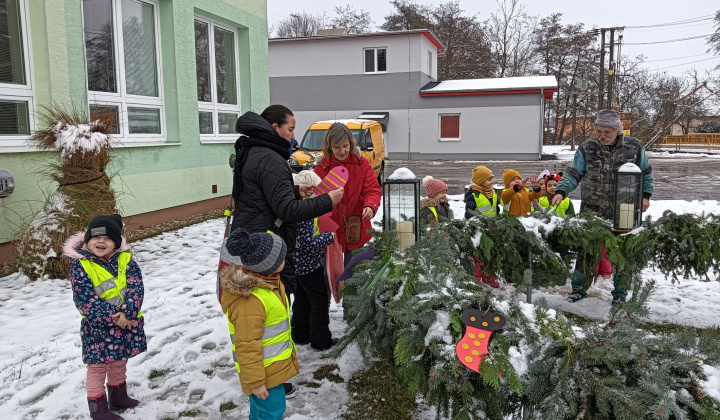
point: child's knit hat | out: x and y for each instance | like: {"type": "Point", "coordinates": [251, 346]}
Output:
{"type": "Point", "coordinates": [553, 177]}
{"type": "Point", "coordinates": [480, 174]}
{"type": "Point", "coordinates": [109, 225]}
{"type": "Point", "coordinates": [434, 186]}
{"type": "Point", "coordinates": [260, 253]}
{"type": "Point", "coordinates": [306, 177]}
{"type": "Point", "coordinates": [509, 175]}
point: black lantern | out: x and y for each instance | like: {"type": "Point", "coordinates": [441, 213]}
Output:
{"type": "Point", "coordinates": [627, 204]}
{"type": "Point", "coordinates": [401, 206]}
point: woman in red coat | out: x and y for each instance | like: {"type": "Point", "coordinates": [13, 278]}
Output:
{"type": "Point", "coordinates": [362, 192]}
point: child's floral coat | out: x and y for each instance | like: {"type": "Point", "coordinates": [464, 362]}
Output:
{"type": "Point", "coordinates": [102, 340]}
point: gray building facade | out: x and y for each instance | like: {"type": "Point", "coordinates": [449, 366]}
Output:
{"type": "Point", "coordinates": [344, 76]}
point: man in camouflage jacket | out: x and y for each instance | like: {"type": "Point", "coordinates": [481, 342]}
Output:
{"type": "Point", "coordinates": [595, 164]}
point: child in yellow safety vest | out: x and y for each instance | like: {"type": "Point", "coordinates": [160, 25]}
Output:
{"type": "Point", "coordinates": [435, 206]}
{"type": "Point", "coordinates": [566, 206]}
{"type": "Point", "coordinates": [108, 291]}
{"type": "Point", "coordinates": [258, 315]}
{"type": "Point", "coordinates": [515, 198]}
{"type": "Point", "coordinates": [482, 198]}
{"type": "Point", "coordinates": [311, 306]}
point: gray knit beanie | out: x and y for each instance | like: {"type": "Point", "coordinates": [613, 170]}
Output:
{"type": "Point", "coordinates": [260, 253]}
{"type": "Point", "coordinates": [609, 118]}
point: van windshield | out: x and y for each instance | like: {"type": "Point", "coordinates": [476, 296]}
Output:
{"type": "Point", "coordinates": [314, 139]}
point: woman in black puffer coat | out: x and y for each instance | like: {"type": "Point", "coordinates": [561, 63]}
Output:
{"type": "Point", "coordinates": [263, 190]}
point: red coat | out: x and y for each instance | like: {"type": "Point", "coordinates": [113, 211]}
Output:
{"type": "Point", "coordinates": [362, 190]}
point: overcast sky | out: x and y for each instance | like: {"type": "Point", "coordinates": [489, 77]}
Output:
{"type": "Point", "coordinates": [673, 57]}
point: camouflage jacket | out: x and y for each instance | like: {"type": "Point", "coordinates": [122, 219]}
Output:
{"type": "Point", "coordinates": [595, 165]}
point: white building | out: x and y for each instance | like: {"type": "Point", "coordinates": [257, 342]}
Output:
{"type": "Point", "coordinates": [391, 77]}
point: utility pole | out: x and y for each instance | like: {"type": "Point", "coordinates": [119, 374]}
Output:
{"type": "Point", "coordinates": [611, 69]}
{"type": "Point", "coordinates": [601, 85]}
{"type": "Point", "coordinates": [574, 111]}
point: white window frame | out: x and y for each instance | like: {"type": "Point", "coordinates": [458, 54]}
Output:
{"type": "Point", "coordinates": [429, 64]}
{"type": "Point", "coordinates": [121, 99]}
{"type": "Point", "coordinates": [214, 106]}
{"type": "Point", "coordinates": [375, 60]}
{"type": "Point", "coordinates": [21, 93]}
{"type": "Point", "coordinates": [440, 137]}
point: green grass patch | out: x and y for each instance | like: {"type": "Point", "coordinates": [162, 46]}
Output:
{"type": "Point", "coordinates": [310, 384]}
{"type": "Point", "coordinates": [156, 373]}
{"type": "Point", "coordinates": [208, 372]}
{"type": "Point", "coordinates": [227, 406]}
{"type": "Point", "coordinates": [327, 372]}
{"type": "Point", "coordinates": [380, 395]}
{"type": "Point", "coordinates": [189, 414]}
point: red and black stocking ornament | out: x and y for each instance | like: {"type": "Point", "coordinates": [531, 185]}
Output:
{"type": "Point", "coordinates": [478, 328]}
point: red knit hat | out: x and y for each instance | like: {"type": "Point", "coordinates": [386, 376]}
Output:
{"type": "Point", "coordinates": [434, 186]}
{"type": "Point", "coordinates": [553, 177]}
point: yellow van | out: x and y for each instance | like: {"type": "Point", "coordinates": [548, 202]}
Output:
{"type": "Point", "coordinates": [368, 135]}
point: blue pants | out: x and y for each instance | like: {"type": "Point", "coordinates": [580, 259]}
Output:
{"type": "Point", "coordinates": [271, 408]}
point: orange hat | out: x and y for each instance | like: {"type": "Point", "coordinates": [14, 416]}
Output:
{"type": "Point", "coordinates": [480, 174]}
{"type": "Point", "coordinates": [509, 175]}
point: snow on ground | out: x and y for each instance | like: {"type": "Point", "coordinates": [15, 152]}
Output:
{"type": "Point", "coordinates": [43, 377]}
{"type": "Point", "coordinates": [563, 152]}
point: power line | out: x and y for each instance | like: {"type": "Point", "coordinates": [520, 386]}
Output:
{"type": "Point", "coordinates": [676, 58]}
{"type": "Point", "coordinates": [685, 64]}
{"type": "Point", "coordinates": [668, 28]}
{"type": "Point", "coordinates": [677, 22]}
{"type": "Point", "coordinates": [669, 40]}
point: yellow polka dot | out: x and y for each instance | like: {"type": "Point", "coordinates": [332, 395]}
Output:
{"type": "Point", "coordinates": [475, 353]}
{"type": "Point", "coordinates": [481, 335]}
{"type": "Point", "coordinates": [465, 346]}
{"type": "Point", "coordinates": [484, 324]}
{"type": "Point", "coordinates": [471, 335]}
{"type": "Point", "coordinates": [472, 318]}
{"type": "Point", "coordinates": [496, 319]}
{"type": "Point", "coordinates": [468, 359]}
{"type": "Point", "coordinates": [476, 343]}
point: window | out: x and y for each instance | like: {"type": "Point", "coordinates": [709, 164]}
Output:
{"type": "Point", "coordinates": [16, 93]}
{"type": "Point", "coordinates": [217, 80]}
{"type": "Point", "coordinates": [430, 63]}
{"type": "Point", "coordinates": [123, 70]}
{"type": "Point", "coordinates": [375, 60]}
{"type": "Point", "coordinates": [449, 126]}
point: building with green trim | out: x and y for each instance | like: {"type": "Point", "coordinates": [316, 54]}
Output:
{"type": "Point", "coordinates": [175, 73]}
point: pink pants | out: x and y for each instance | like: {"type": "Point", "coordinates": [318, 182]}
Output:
{"type": "Point", "coordinates": [115, 372]}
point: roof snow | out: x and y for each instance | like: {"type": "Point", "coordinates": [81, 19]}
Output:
{"type": "Point", "coordinates": [504, 83]}
{"type": "Point", "coordinates": [402, 173]}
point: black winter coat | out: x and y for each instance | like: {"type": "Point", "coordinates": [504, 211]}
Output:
{"type": "Point", "coordinates": [265, 197]}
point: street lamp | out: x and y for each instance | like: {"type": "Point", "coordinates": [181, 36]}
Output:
{"type": "Point", "coordinates": [401, 206]}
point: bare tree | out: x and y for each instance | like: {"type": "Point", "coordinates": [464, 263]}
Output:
{"type": "Point", "coordinates": [467, 51]}
{"type": "Point", "coordinates": [299, 25]}
{"type": "Point", "coordinates": [355, 21]}
{"type": "Point", "coordinates": [408, 15]}
{"type": "Point", "coordinates": [510, 33]}
{"type": "Point", "coordinates": [714, 39]}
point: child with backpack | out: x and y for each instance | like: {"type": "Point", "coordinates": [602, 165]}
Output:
{"type": "Point", "coordinates": [108, 291]}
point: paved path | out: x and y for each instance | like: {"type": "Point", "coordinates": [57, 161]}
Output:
{"type": "Point", "coordinates": [677, 177]}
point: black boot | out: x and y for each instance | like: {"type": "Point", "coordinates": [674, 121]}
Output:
{"type": "Point", "coordinates": [99, 409]}
{"type": "Point", "coordinates": [118, 397]}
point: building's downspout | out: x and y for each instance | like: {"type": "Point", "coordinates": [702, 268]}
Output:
{"type": "Point", "coordinates": [542, 121]}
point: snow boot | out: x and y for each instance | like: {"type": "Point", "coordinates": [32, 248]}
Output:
{"type": "Point", "coordinates": [118, 398]}
{"type": "Point", "coordinates": [576, 296]}
{"type": "Point", "coordinates": [99, 409]}
{"type": "Point", "coordinates": [289, 390]}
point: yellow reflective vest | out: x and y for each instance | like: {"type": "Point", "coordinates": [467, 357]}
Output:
{"type": "Point", "coordinates": [109, 287]}
{"type": "Point", "coordinates": [561, 209]}
{"type": "Point", "coordinates": [276, 339]}
{"type": "Point", "coordinates": [483, 204]}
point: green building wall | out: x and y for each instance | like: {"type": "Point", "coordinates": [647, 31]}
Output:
{"type": "Point", "coordinates": [148, 178]}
